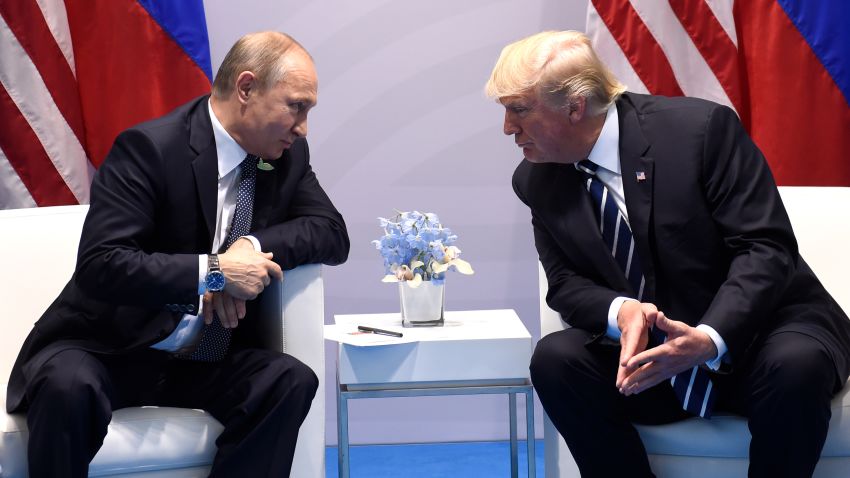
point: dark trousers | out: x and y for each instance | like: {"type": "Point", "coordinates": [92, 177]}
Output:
{"type": "Point", "coordinates": [261, 397]}
{"type": "Point", "coordinates": [784, 390]}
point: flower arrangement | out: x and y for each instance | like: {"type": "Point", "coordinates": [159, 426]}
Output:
{"type": "Point", "coordinates": [416, 248]}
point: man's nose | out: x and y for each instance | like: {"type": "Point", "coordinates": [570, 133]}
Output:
{"type": "Point", "coordinates": [300, 128]}
{"type": "Point", "coordinates": [510, 127]}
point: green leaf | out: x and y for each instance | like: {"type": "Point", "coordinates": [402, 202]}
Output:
{"type": "Point", "coordinates": [263, 166]}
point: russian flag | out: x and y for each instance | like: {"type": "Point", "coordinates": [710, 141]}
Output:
{"type": "Point", "coordinates": [783, 65]}
{"type": "Point", "coordinates": [74, 74]}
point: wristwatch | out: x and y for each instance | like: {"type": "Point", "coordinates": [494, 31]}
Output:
{"type": "Point", "coordinates": [215, 278]}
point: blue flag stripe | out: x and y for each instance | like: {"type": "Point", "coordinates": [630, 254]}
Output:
{"type": "Point", "coordinates": [824, 25]}
{"type": "Point", "coordinates": [186, 23]}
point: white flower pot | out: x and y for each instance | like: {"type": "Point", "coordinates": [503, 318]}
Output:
{"type": "Point", "coordinates": [422, 306]}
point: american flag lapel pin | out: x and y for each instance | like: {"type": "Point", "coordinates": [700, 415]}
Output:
{"type": "Point", "coordinates": [641, 176]}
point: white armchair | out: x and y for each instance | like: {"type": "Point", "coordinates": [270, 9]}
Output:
{"type": "Point", "coordinates": [720, 446]}
{"type": "Point", "coordinates": [38, 249]}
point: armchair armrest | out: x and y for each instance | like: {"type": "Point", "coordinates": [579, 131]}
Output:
{"type": "Point", "coordinates": [298, 303]}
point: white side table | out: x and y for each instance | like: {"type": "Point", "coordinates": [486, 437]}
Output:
{"type": "Point", "coordinates": [493, 346]}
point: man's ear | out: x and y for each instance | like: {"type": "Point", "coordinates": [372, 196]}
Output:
{"type": "Point", "coordinates": [576, 108]}
{"type": "Point", "coordinates": [246, 85]}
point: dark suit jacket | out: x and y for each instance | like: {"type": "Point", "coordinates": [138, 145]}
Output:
{"type": "Point", "coordinates": [713, 237]}
{"type": "Point", "coordinates": [153, 205]}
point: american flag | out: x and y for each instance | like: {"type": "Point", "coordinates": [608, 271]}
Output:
{"type": "Point", "coordinates": [74, 73]}
{"type": "Point", "coordinates": [782, 65]}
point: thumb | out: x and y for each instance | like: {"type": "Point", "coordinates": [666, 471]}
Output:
{"type": "Point", "coordinates": [663, 323]}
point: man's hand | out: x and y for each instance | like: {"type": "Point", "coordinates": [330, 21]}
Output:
{"type": "Point", "coordinates": [634, 320]}
{"type": "Point", "coordinates": [247, 272]}
{"type": "Point", "coordinates": [229, 310]}
{"type": "Point", "coordinates": [685, 348]}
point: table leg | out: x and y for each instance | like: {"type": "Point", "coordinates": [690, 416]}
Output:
{"type": "Point", "coordinates": [529, 421]}
{"type": "Point", "coordinates": [342, 432]}
{"type": "Point", "coordinates": [514, 450]}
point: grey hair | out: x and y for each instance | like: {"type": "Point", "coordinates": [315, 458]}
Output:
{"type": "Point", "coordinates": [264, 54]}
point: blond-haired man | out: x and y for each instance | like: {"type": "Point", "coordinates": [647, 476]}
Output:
{"type": "Point", "coordinates": [668, 251]}
{"type": "Point", "coordinates": [191, 216]}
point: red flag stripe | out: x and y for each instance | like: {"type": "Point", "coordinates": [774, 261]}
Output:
{"type": "Point", "coordinates": [640, 47]}
{"type": "Point", "coordinates": [28, 158]}
{"type": "Point", "coordinates": [715, 46]}
{"type": "Point", "coordinates": [160, 71]}
{"type": "Point", "coordinates": [805, 140]}
{"type": "Point", "coordinates": [27, 23]}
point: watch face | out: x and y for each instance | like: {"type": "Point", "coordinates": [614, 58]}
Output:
{"type": "Point", "coordinates": [215, 281]}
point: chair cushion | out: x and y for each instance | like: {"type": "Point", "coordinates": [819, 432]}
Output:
{"type": "Point", "coordinates": [139, 439]}
{"type": "Point", "coordinates": [727, 436]}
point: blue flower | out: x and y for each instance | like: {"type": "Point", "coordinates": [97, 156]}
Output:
{"type": "Point", "coordinates": [418, 244]}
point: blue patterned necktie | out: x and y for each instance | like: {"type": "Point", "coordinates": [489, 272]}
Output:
{"type": "Point", "coordinates": [692, 387]}
{"type": "Point", "coordinates": [215, 339]}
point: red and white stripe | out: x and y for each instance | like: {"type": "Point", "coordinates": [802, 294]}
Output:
{"type": "Point", "coordinates": [680, 47]}
{"type": "Point", "coordinates": [43, 158]}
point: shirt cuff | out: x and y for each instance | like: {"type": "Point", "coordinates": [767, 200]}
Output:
{"type": "Point", "coordinates": [718, 342]}
{"type": "Point", "coordinates": [613, 331]}
{"type": "Point", "coordinates": [203, 260]}
{"type": "Point", "coordinates": [255, 242]}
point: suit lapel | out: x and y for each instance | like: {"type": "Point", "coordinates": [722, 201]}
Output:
{"type": "Point", "coordinates": [205, 165]}
{"type": "Point", "coordinates": [638, 170]}
{"type": "Point", "coordinates": [578, 225]}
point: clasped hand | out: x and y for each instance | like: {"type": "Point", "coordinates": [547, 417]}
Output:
{"type": "Point", "coordinates": [641, 368]}
{"type": "Point", "coordinates": [246, 272]}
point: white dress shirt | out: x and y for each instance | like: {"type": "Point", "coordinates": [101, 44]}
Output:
{"type": "Point", "coordinates": [230, 155]}
{"type": "Point", "coordinates": [606, 155]}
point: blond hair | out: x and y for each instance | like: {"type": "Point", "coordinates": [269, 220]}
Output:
{"type": "Point", "coordinates": [263, 53]}
{"type": "Point", "coordinates": [560, 66]}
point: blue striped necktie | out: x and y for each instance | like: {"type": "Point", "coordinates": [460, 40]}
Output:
{"type": "Point", "coordinates": [692, 387]}
{"type": "Point", "coordinates": [216, 339]}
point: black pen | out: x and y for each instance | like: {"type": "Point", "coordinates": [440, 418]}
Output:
{"type": "Point", "coordinates": [373, 330]}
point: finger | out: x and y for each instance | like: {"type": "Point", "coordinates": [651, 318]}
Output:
{"type": "Point", "coordinates": [673, 328]}
{"type": "Point", "coordinates": [650, 313]}
{"type": "Point", "coordinates": [267, 255]}
{"type": "Point", "coordinates": [219, 309]}
{"type": "Point", "coordinates": [209, 309]}
{"type": "Point", "coordinates": [644, 378]}
{"type": "Point", "coordinates": [628, 348]}
{"type": "Point", "coordinates": [230, 307]}
{"type": "Point", "coordinates": [266, 280]}
{"type": "Point", "coordinates": [241, 310]}
{"type": "Point", "coordinates": [655, 354]}
{"type": "Point", "coordinates": [275, 270]}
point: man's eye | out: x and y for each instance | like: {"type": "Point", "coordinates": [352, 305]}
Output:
{"type": "Point", "coordinates": [297, 107]}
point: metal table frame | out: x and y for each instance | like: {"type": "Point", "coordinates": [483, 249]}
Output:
{"type": "Point", "coordinates": [348, 392]}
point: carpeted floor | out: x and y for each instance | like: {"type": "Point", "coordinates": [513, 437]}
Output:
{"type": "Point", "coordinates": [435, 460]}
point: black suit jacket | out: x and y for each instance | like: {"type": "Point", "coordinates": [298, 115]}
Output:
{"type": "Point", "coordinates": [153, 205]}
{"type": "Point", "coordinates": [713, 237]}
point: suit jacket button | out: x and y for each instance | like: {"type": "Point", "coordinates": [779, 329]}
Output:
{"type": "Point", "coordinates": [172, 307]}
{"type": "Point", "coordinates": [190, 308]}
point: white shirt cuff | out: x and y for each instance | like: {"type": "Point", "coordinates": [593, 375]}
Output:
{"type": "Point", "coordinates": [613, 331]}
{"type": "Point", "coordinates": [255, 242]}
{"type": "Point", "coordinates": [718, 342]}
{"type": "Point", "coordinates": [203, 260]}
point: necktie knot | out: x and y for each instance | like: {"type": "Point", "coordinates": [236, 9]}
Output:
{"type": "Point", "coordinates": [587, 166]}
{"type": "Point", "coordinates": [248, 165]}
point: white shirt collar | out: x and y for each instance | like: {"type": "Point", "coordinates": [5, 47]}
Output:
{"type": "Point", "coordinates": [606, 151]}
{"type": "Point", "coordinates": [230, 154]}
